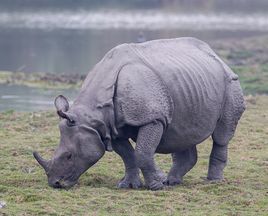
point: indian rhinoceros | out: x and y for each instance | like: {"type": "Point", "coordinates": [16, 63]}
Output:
{"type": "Point", "coordinates": [166, 95]}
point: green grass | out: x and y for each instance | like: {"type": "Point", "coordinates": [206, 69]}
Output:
{"type": "Point", "coordinates": [249, 59]}
{"type": "Point", "coordinates": [253, 79]}
{"type": "Point", "coordinates": [24, 188]}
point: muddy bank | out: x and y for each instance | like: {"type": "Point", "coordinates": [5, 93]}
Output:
{"type": "Point", "coordinates": [43, 80]}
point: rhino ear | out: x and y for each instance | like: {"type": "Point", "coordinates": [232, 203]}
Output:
{"type": "Point", "coordinates": [61, 103]}
{"type": "Point", "coordinates": [62, 106]}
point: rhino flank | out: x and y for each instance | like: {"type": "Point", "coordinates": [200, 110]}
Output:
{"type": "Point", "coordinates": [166, 95]}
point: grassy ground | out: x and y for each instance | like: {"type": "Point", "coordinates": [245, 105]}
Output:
{"type": "Point", "coordinates": [24, 188]}
{"type": "Point", "coordinates": [249, 59]}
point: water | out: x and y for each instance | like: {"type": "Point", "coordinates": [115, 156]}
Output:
{"type": "Point", "coordinates": [22, 98]}
{"type": "Point", "coordinates": [73, 41]}
{"type": "Point", "coordinates": [146, 19]}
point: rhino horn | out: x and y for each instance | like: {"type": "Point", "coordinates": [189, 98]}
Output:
{"type": "Point", "coordinates": [44, 163]}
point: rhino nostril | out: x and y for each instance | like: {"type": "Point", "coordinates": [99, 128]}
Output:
{"type": "Point", "coordinates": [57, 184]}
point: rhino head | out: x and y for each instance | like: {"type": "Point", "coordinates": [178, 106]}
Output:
{"type": "Point", "coordinates": [80, 147]}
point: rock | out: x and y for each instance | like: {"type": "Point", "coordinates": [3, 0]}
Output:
{"type": "Point", "coordinates": [2, 204]}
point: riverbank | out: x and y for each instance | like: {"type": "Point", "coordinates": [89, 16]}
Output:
{"type": "Point", "coordinates": [42, 80]}
{"type": "Point", "coordinates": [248, 58]}
{"type": "Point", "coordinates": [24, 188]}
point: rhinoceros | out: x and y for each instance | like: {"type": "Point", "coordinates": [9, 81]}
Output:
{"type": "Point", "coordinates": [166, 95]}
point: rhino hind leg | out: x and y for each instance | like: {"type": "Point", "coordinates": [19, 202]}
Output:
{"type": "Point", "coordinates": [148, 139]}
{"type": "Point", "coordinates": [126, 152]}
{"type": "Point", "coordinates": [183, 162]}
{"type": "Point", "coordinates": [224, 131]}
{"type": "Point", "coordinates": [219, 153]}
{"type": "Point", "coordinates": [217, 161]}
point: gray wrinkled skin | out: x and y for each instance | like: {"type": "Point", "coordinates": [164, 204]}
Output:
{"type": "Point", "coordinates": [166, 95]}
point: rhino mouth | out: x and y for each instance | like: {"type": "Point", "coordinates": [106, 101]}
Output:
{"type": "Point", "coordinates": [63, 184]}
{"type": "Point", "coordinates": [67, 185]}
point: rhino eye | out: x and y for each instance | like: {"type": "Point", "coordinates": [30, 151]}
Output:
{"type": "Point", "coordinates": [69, 156]}
{"type": "Point", "coordinates": [70, 123]}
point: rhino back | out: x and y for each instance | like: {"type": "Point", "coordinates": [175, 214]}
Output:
{"type": "Point", "coordinates": [187, 71]}
{"type": "Point", "coordinates": [180, 82]}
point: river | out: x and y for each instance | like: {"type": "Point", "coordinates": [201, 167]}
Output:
{"type": "Point", "coordinates": [69, 41]}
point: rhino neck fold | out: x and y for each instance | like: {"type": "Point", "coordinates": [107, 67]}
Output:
{"type": "Point", "coordinates": [100, 119]}
{"type": "Point", "coordinates": [97, 93]}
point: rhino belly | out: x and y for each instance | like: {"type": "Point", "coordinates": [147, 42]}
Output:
{"type": "Point", "coordinates": [179, 138]}
{"type": "Point", "coordinates": [197, 109]}
{"type": "Point", "coordinates": [191, 124]}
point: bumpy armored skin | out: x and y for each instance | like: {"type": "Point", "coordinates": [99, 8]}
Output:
{"type": "Point", "coordinates": [168, 96]}
{"type": "Point", "coordinates": [183, 85]}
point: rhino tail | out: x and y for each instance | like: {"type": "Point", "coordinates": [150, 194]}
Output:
{"type": "Point", "coordinates": [230, 75]}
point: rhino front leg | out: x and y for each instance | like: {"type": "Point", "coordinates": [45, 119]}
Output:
{"type": "Point", "coordinates": [148, 139]}
{"type": "Point", "coordinates": [126, 152]}
{"type": "Point", "coordinates": [183, 162]}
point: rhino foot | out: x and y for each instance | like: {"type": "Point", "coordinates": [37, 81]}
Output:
{"type": "Point", "coordinates": [156, 185]}
{"type": "Point", "coordinates": [212, 180]}
{"type": "Point", "coordinates": [171, 181]}
{"type": "Point", "coordinates": [133, 183]}
{"type": "Point", "coordinates": [160, 175]}
{"type": "Point", "coordinates": [158, 182]}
